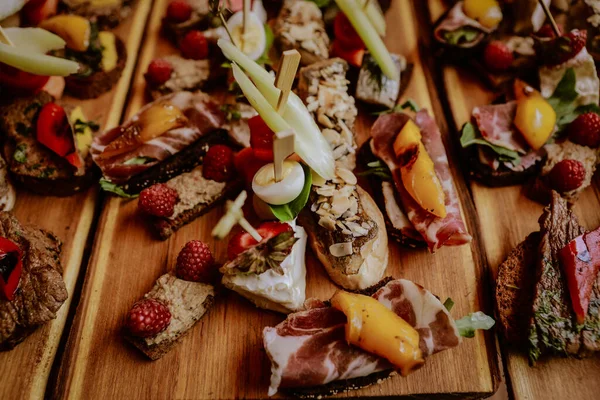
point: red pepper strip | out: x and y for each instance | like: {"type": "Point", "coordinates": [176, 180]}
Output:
{"type": "Point", "coordinates": [54, 132]}
{"type": "Point", "coordinates": [580, 260]}
{"type": "Point", "coordinates": [354, 57]}
{"type": "Point", "coordinates": [9, 286]}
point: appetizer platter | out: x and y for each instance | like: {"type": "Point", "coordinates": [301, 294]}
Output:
{"type": "Point", "coordinates": [62, 78]}
{"type": "Point", "coordinates": [219, 133]}
{"type": "Point", "coordinates": [535, 217]}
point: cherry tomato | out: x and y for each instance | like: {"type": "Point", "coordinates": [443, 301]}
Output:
{"type": "Point", "coordinates": [54, 131]}
{"type": "Point", "coordinates": [20, 82]}
{"type": "Point", "coordinates": [346, 34]}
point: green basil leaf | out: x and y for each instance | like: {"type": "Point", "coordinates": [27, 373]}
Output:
{"type": "Point", "coordinates": [108, 186]}
{"type": "Point", "coordinates": [469, 136]}
{"type": "Point", "coordinates": [472, 322]}
{"type": "Point", "coordinates": [289, 211]}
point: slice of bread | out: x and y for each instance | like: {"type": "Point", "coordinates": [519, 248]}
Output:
{"type": "Point", "coordinates": [515, 289]}
{"type": "Point", "coordinates": [99, 82]}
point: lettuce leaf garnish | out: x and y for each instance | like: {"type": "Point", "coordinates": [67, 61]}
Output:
{"type": "Point", "coordinates": [474, 321]}
{"type": "Point", "coordinates": [563, 101]}
{"type": "Point", "coordinates": [289, 211]}
{"type": "Point", "coordinates": [470, 136]}
{"type": "Point", "coordinates": [108, 186]}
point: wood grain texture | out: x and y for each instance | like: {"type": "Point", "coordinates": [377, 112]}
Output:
{"type": "Point", "coordinates": [223, 357]}
{"type": "Point", "coordinates": [507, 217]}
{"type": "Point", "coordinates": [24, 371]}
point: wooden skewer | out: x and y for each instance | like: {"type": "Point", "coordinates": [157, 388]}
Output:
{"type": "Point", "coordinates": [283, 147]}
{"type": "Point", "coordinates": [226, 28]}
{"type": "Point", "coordinates": [234, 215]}
{"type": "Point", "coordinates": [246, 15]}
{"type": "Point", "coordinates": [4, 38]}
{"type": "Point", "coordinates": [288, 65]}
{"type": "Point", "coordinates": [550, 17]}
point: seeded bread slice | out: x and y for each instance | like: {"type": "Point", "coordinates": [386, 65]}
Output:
{"type": "Point", "coordinates": [187, 302]}
{"type": "Point", "coordinates": [515, 289]}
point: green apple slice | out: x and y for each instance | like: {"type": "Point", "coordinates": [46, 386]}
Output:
{"type": "Point", "coordinates": [29, 52]}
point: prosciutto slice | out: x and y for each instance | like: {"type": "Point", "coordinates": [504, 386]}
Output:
{"type": "Point", "coordinates": [203, 117]}
{"type": "Point", "coordinates": [436, 232]}
{"type": "Point", "coordinates": [495, 122]}
{"type": "Point", "coordinates": [309, 348]}
{"type": "Point", "coordinates": [456, 19]}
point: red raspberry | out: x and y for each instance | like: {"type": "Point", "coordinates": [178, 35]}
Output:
{"type": "Point", "coordinates": [194, 45]}
{"type": "Point", "coordinates": [158, 200]}
{"type": "Point", "coordinates": [567, 175]}
{"type": "Point", "coordinates": [261, 138]}
{"type": "Point", "coordinates": [159, 71]}
{"type": "Point", "coordinates": [179, 11]}
{"type": "Point", "coordinates": [148, 317]}
{"type": "Point", "coordinates": [561, 49]}
{"type": "Point", "coordinates": [195, 263]}
{"type": "Point", "coordinates": [218, 163]}
{"type": "Point", "coordinates": [546, 31]}
{"type": "Point", "coordinates": [585, 130]}
{"type": "Point", "coordinates": [497, 56]}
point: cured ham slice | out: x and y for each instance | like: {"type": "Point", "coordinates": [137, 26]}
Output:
{"type": "Point", "coordinates": [495, 122]}
{"type": "Point", "coordinates": [437, 232]}
{"type": "Point", "coordinates": [203, 116]}
{"type": "Point", "coordinates": [309, 348]}
{"type": "Point", "coordinates": [456, 19]}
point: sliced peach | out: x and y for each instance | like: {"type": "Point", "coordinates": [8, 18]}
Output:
{"type": "Point", "coordinates": [487, 12]}
{"type": "Point", "coordinates": [535, 117]}
{"type": "Point", "coordinates": [378, 330]}
{"type": "Point", "coordinates": [74, 29]}
{"type": "Point", "coordinates": [406, 145]}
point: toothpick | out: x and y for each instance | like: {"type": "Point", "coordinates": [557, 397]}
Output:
{"type": "Point", "coordinates": [283, 147]}
{"type": "Point", "coordinates": [4, 38]}
{"type": "Point", "coordinates": [288, 65]}
{"type": "Point", "coordinates": [550, 17]}
{"type": "Point", "coordinates": [226, 28]}
{"type": "Point", "coordinates": [246, 15]}
{"type": "Point", "coordinates": [234, 215]}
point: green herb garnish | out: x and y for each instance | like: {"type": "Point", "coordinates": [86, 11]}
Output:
{"type": "Point", "coordinates": [289, 211]}
{"type": "Point", "coordinates": [472, 322]}
{"type": "Point", "coordinates": [108, 186]}
{"type": "Point", "coordinates": [448, 304]}
{"type": "Point", "coordinates": [81, 125]}
{"type": "Point", "coordinates": [379, 169]}
{"type": "Point", "coordinates": [231, 112]}
{"type": "Point", "coordinates": [461, 36]}
{"type": "Point", "coordinates": [470, 136]}
{"type": "Point", "coordinates": [408, 104]}
{"type": "Point", "coordinates": [19, 155]}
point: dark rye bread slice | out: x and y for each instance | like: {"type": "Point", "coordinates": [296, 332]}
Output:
{"type": "Point", "coordinates": [31, 164]}
{"type": "Point", "coordinates": [344, 385]}
{"type": "Point", "coordinates": [187, 302]}
{"type": "Point", "coordinates": [99, 82]}
{"type": "Point", "coordinates": [552, 327]}
{"type": "Point", "coordinates": [180, 162]}
{"type": "Point", "coordinates": [514, 289]}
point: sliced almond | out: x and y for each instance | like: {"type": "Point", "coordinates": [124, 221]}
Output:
{"type": "Point", "coordinates": [346, 175]}
{"type": "Point", "coordinates": [341, 249]}
{"type": "Point", "coordinates": [327, 223]}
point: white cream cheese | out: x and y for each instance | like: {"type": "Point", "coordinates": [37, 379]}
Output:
{"type": "Point", "coordinates": [272, 291]}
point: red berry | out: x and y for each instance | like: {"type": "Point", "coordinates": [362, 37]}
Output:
{"type": "Point", "coordinates": [158, 200]}
{"type": "Point", "coordinates": [567, 175]}
{"type": "Point", "coordinates": [561, 49]}
{"type": "Point", "coordinates": [195, 263]}
{"type": "Point", "coordinates": [497, 56]}
{"type": "Point", "coordinates": [194, 45]}
{"type": "Point", "coordinates": [218, 163]}
{"type": "Point", "coordinates": [261, 138]}
{"type": "Point", "coordinates": [546, 31]}
{"type": "Point", "coordinates": [179, 11]}
{"type": "Point", "coordinates": [247, 164]}
{"type": "Point", "coordinates": [242, 241]}
{"type": "Point", "coordinates": [159, 71]}
{"type": "Point", "coordinates": [148, 317]}
{"type": "Point", "coordinates": [585, 130]}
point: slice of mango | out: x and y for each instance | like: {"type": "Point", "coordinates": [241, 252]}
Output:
{"type": "Point", "coordinates": [535, 117]}
{"type": "Point", "coordinates": [74, 29]}
{"type": "Point", "coordinates": [378, 330]}
{"type": "Point", "coordinates": [407, 142]}
{"type": "Point", "coordinates": [487, 12]}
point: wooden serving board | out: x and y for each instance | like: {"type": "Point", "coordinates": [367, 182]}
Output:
{"type": "Point", "coordinates": [507, 217]}
{"type": "Point", "coordinates": [24, 371]}
{"type": "Point", "coordinates": [223, 356]}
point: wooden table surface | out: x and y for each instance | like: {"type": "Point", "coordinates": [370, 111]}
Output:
{"type": "Point", "coordinates": [82, 354]}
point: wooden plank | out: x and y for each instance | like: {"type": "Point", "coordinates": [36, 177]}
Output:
{"type": "Point", "coordinates": [223, 357]}
{"type": "Point", "coordinates": [25, 369]}
{"type": "Point", "coordinates": [506, 218]}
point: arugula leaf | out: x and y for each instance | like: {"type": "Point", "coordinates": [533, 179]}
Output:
{"type": "Point", "coordinates": [138, 161]}
{"type": "Point", "coordinates": [448, 304]}
{"type": "Point", "coordinates": [289, 211]}
{"type": "Point", "coordinates": [377, 168]}
{"type": "Point", "coordinates": [108, 186]}
{"type": "Point", "coordinates": [469, 136]}
{"type": "Point", "coordinates": [563, 101]}
{"type": "Point", "coordinates": [461, 35]}
{"type": "Point", "coordinates": [410, 104]}
{"type": "Point", "coordinates": [472, 322]}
